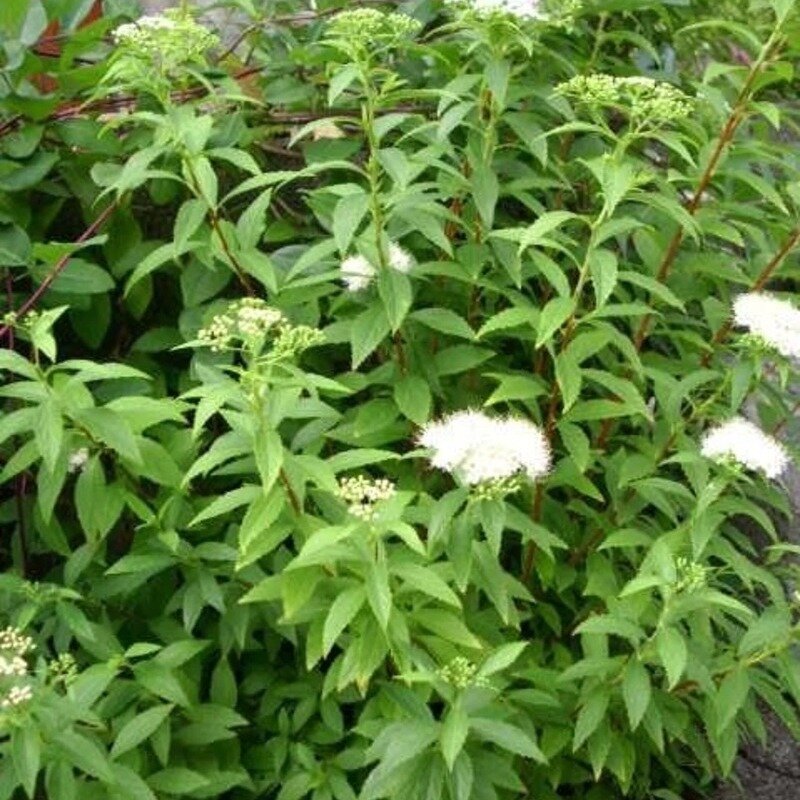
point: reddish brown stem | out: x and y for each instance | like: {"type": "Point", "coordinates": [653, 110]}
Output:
{"type": "Point", "coordinates": [726, 136]}
{"type": "Point", "coordinates": [760, 282]}
{"type": "Point", "coordinates": [58, 267]}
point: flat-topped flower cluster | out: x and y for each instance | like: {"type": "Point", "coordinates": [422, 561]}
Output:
{"type": "Point", "coordinates": [645, 99]}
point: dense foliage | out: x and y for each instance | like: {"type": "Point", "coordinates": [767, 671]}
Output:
{"type": "Point", "coordinates": [250, 547]}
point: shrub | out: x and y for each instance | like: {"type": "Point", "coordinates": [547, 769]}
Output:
{"type": "Point", "coordinates": [373, 422]}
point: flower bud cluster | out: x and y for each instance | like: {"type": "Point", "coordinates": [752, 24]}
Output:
{"type": "Point", "coordinates": [293, 340]}
{"type": "Point", "coordinates": [362, 494]}
{"type": "Point", "coordinates": [461, 673]}
{"type": "Point", "coordinates": [63, 669]}
{"type": "Point", "coordinates": [371, 29]}
{"type": "Point", "coordinates": [167, 41]}
{"type": "Point", "coordinates": [691, 575]}
{"type": "Point", "coordinates": [249, 319]}
{"type": "Point", "coordinates": [497, 488]}
{"type": "Point", "coordinates": [646, 100]}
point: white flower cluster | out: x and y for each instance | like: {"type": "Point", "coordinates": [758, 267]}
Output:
{"type": "Point", "coordinates": [14, 645]}
{"type": "Point", "coordinates": [77, 460]}
{"type": "Point", "coordinates": [250, 318]}
{"type": "Point", "coordinates": [16, 666]}
{"type": "Point", "coordinates": [167, 40]}
{"type": "Point", "coordinates": [16, 696]}
{"type": "Point", "coordinates": [744, 443]}
{"type": "Point", "coordinates": [773, 321]}
{"type": "Point", "coordinates": [358, 272]}
{"type": "Point", "coordinates": [476, 448]}
{"type": "Point", "coordinates": [144, 26]}
{"type": "Point", "coordinates": [521, 9]}
{"type": "Point", "coordinates": [14, 640]}
{"type": "Point", "coordinates": [362, 494]}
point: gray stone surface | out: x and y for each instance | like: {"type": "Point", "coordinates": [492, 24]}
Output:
{"type": "Point", "coordinates": [771, 773]}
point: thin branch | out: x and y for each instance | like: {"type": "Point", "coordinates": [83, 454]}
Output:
{"type": "Point", "coordinates": [735, 118]}
{"type": "Point", "coordinates": [58, 268]}
{"type": "Point", "coordinates": [760, 282]}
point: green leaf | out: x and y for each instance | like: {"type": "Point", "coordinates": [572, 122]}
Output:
{"type": "Point", "coordinates": [609, 624]}
{"type": "Point", "coordinates": [553, 316]}
{"type": "Point", "coordinates": [445, 321]}
{"type": "Point", "coordinates": [268, 450]}
{"type": "Point", "coordinates": [227, 502]}
{"type": "Point", "coordinates": [177, 780]}
{"type": "Point", "coordinates": [454, 734]}
{"type": "Point", "coordinates": [379, 593]}
{"type": "Point", "coordinates": [340, 80]}
{"type": "Point", "coordinates": [259, 534]}
{"type": "Point", "coordinates": [394, 289]}
{"type": "Point", "coordinates": [347, 217]}
{"type": "Point", "coordinates": [162, 682]}
{"type": "Point", "coordinates": [49, 432]}
{"type": "Point", "coordinates": [502, 658]}
{"type": "Point", "coordinates": [368, 330]}
{"type": "Point", "coordinates": [592, 713]}
{"type": "Point", "coordinates": [413, 397]}
{"type": "Point", "coordinates": [26, 754]}
{"type": "Point", "coordinates": [447, 625]}
{"type": "Point", "coordinates": [111, 429]}
{"type": "Point", "coordinates": [425, 580]}
{"type": "Point", "coordinates": [672, 653]}
{"type": "Point", "coordinates": [98, 504]}
{"type": "Point", "coordinates": [85, 754]}
{"type": "Point", "coordinates": [342, 612]}
{"type": "Point", "coordinates": [731, 697]}
{"type": "Point", "coordinates": [536, 234]}
{"type": "Point", "coordinates": [136, 730]}
{"type": "Point", "coordinates": [603, 267]}
{"type": "Point", "coordinates": [636, 691]}
{"type": "Point", "coordinates": [78, 277]}
{"type": "Point", "coordinates": [508, 737]}
{"type": "Point", "coordinates": [11, 361]}
{"type": "Point", "coordinates": [485, 191]}
{"type": "Point", "coordinates": [189, 218]}
{"type": "Point", "coordinates": [570, 379]}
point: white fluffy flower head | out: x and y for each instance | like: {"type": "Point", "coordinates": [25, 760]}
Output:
{"type": "Point", "coordinates": [477, 448]}
{"type": "Point", "coordinates": [400, 259]}
{"type": "Point", "coordinates": [741, 441]}
{"type": "Point", "coordinates": [358, 272]}
{"type": "Point", "coordinates": [774, 321]}
{"type": "Point", "coordinates": [521, 9]}
{"type": "Point", "coordinates": [77, 460]}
